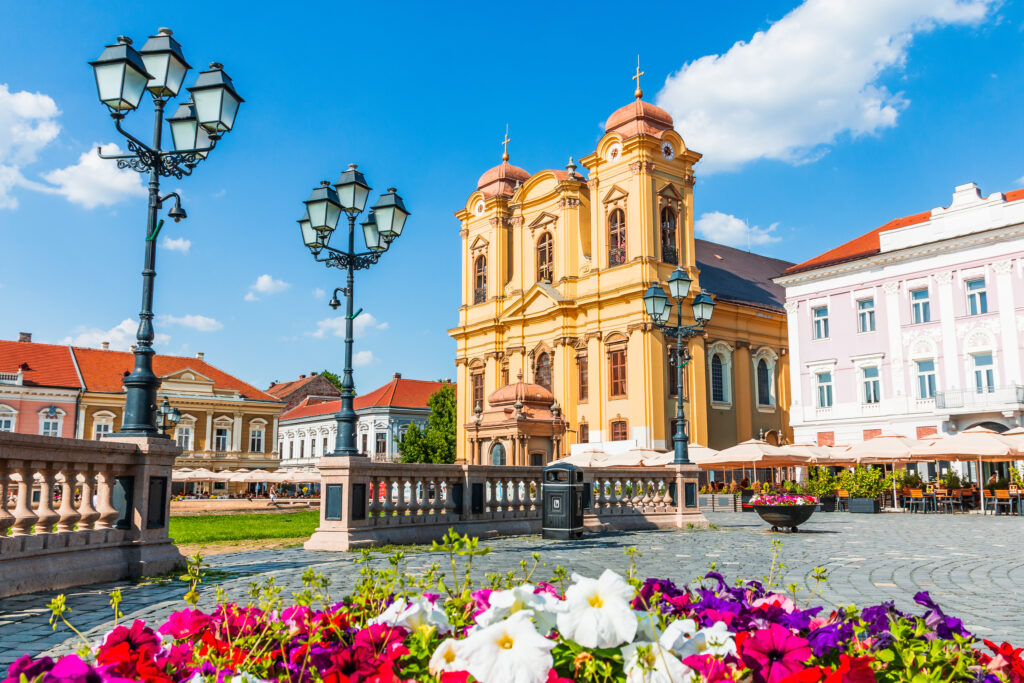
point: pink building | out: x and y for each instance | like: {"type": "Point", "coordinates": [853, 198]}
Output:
{"type": "Point", "coordinates": [39, 388]}
{"type": "Point", "coordinates": [912, 327]}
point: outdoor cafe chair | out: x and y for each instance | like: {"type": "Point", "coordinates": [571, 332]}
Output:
{"type": "Point", "coordinates": [917, 500]}
{"type": "Point", "coordinates": [944, 500]}
{"type": "Point", "coordinates": [842, 500]}
{"type": "Point", "coordinates": [999, 500]}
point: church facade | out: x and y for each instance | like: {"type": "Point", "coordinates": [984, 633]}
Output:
{"type": "Point", "coordinates": [555, 265]}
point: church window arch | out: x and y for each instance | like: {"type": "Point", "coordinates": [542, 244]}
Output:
{"type": "Point", "coordinates": [764, 361]}
{"type": "Point", "coordinates": [616, 237]}
{"type": "Point", "coordinates": [669, 249]}
{"type": "Point", "coordinates": [542, 371]}
{"type": "Point", "coordinates": [720, 374]}
{"type": "Point", "coordinates": [480, 279]}
{"type": "Point", "coordinates": [545, 257]}
{"type": "Point", "coordinates": [497, 454]}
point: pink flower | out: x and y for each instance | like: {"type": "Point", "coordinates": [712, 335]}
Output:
{"type": "Point", "coordinates": [773, 653]}
{"type": "Point", "coordinates": [775, 600]}
{"type": "Point", "coordinates": [544, 587]}
{"type": "Point", "coordinates": [185, 624]}
{"type": "Point", "coordinates": [481, 601]}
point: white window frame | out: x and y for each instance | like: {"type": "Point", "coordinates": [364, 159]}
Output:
{"type": "Point", "coordinates": [44, 418]}
{"type": "Point", "coordinates": [865, 316]}
{"type": "Point", "coordinates": [871, 386]}
{"type": "Point", "coordinates": [977, 299]}
{"type": "Point", "coordinates": [826, 389]}
{"type": "Point", "coordinates": [724, 351]}
{"type": "Point", "coordinates": [103, 418]}
{"type": "Point", "coordinates": [8, 413]}
{"type": "Point", "coordinates": [923, 386]}
{"type": "Point", "coordinates": [989, 369]}
{"type": "Point", "coordinates": [184, 435]}
{"type": "Point", "coordinates": [819, 323]}
{"type": "Point", "coordinates": [771, 359]}
{"type": "Point", "coordinates": [226, 424]}
{"type": "Point", "coordinates": [920, 309]}
{"type": "Point", "coordinates": [258, 428]}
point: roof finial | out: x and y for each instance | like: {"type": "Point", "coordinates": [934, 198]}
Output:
{"type": "Point", "coordinates": [519, 375]}
{"type": "Point", "coordinates": [504, 145]}
{"type": "Point", "coordinates": [638, 93]}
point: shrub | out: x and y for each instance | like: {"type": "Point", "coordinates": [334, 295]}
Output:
{"type": "Point", "coordinates": [865, 482]}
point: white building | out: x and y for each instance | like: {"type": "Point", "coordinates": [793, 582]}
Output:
{"type": "Point", "coordinates": [912, 327]}
{"type": "Point", "coordinates": [309, 430]}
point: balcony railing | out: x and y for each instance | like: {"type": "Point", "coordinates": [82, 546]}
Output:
{"type": "Point", "coordinates": [616, 256]}
{"type": "Point", "coordinates": [10, 377]}
{"type": "Point", "coordinates": [669, 254]}
{"type": "Point", "coordinates": [479, 295]}
{"type": "Point", "coordinates": [973, 399]}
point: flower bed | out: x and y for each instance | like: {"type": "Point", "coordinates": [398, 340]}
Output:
{"type": "Point", "coordinates": [438, 627]}
{"type": "Point", "coordinates": [783, 499]}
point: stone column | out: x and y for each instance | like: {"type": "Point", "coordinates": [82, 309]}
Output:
{"type": "Point", "coordinates": [783, 396]}
{"type": "Point", "coordinates": [793, 333]}
{"type": "Point", "coordinates": [236, 433]}
{"type": "Point", "coordinates": [273, 443]}
{"type": "Point", "coordinates": [947, 315]}
{"type": "Point", "coordinates": [209, 430]}
{"type": "Point", "coordinates": [697, 377]}
{"type": "Point", "coordinates": [893, 329]}
{"type": "Point", "coordinates": [1007, 322]}
{"type": "Point", "coordinates": [742, 403]}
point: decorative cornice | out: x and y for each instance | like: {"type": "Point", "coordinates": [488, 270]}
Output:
{"type": "Point", "coordinates": [944, 278]}
{"type": "Point", "coordinates": [891, 287]}
{"type": "Point", "coordinates": [791, 307]}
{"type": "Point", "coordinates": [568, 202]}
{"type": "Point", "coordinates": [646, 326]}
{"type": "Point", "coordinates": [464, 233]}
{"type": "Point", "coordinates": [515, 349]}
{"type": "Point", "coordinates": [689, 179]}
{"type": "Point", "coordinates": [516, 221]}
{"type": "Point", "coordinates": [1002, 267]}
{"type": "Point", "coordinates": [637, 166]}
{"type": "Point", "coordinates": [498, 221]}
{"type": "Point", "coordinates": [567, 341]}
{"type": "Point", "coordinates": [741, 344]}
{"type": "Point", "coordinates": [592, 183]}
{"type": "Point", "coordinates": [592, 335]}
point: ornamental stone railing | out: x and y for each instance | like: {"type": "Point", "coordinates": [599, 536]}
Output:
{"type": "Point", "coordinates": [75, 512]}
{"type": "Point", "coordinates": [365, 503]}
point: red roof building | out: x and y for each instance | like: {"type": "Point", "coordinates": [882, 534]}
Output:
{"type": "Point", "coordinates": [39, 388]}
{"type": "Point", "coordinates": [295, 391]}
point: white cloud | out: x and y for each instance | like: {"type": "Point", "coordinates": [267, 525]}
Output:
{"type": "Point", "coordinates": [27, 124]}
{"type": "Point", "coordinates": [1019, 181]}
{"type": "Point", "coordinates": [265, 284]}
{"type": "Point", "coordinates": [732, 231]}
{"type": "Point", "coordinates": [814, 75]}
{"type": "Point", "coordinates": [318, 293]}
{"type": "Point", "coordinates": [176, 244]}
{"type": "Point", "coordinates": [94, 181]}
{"type": "Point", "coordinates": [362, 358]}
{"type": "Point", "coordinates": [336, 326]}
{"type": "Point", "coordinates": [219, 193]}
{"type": "Point", "coordinates": [121, 336]}
{"type": "Point", "coordinates": [196, 322]}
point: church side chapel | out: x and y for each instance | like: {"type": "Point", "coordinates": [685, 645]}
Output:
{"type": "Point", "coordinates": [555, 265]}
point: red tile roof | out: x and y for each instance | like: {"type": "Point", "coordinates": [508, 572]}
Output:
{"type": "Point", "coordinates": [398, 393]}
{"type": "Point", "coordinates": [868, 244]}
{"type": "Point", "coordinates": [48, 365]}
{"type": "Point", "coordinates": [282, 389]}
{"type": "Point", "coordinates": [105, 370]}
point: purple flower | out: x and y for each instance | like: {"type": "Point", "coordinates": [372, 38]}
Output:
{"type": "Point", "coordinates": [73, 670]}
{"type": "Point", "coordinates": [28, 667]}
{"type": "Point", "coordinates": [877, 618]}
{"type": "Point", "coordinates": [828, 638]}
{"type": "Point", "coordinates": [935, 619]}
{"type": "Point", "coordinates": [774, 653]}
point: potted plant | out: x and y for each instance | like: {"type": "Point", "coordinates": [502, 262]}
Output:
{"type": "Point", "coordinates": [865, 485]}
{"type": "Point", "coordinates": [822, 485]}
{"type": "Point", "coordinates": [784, 510]}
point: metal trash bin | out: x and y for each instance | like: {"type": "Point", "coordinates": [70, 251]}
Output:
{"type": "Point", "coordinates": [562, 491]}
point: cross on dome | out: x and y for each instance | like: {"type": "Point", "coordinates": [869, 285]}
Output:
{"type": "Point", "coordinates": [504, 145]}
{"type": "Point", "coordinates": [638, 93]}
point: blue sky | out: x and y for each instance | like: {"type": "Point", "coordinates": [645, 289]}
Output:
{"type": "Point", "coordinates": [818, 122]}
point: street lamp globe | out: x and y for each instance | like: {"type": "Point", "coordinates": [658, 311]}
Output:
{"type": "Point", "coordinates": [186, 133]}
{"type": "Point", "coordinates": [703, 306]}
{"type": "Point", "coordinates": [121, 76]}
{"type": "Point", "coordinates": [352, 190]}
{"type": "Point", "coordinates": [216, 99]}
{"type": "Point", "coordinates": [656, 303]}
{"type": "Point", "coordinates": [310, 237]}
{"type": "Point", "coordinates": [679, 284]}
{"type": "Point", "coordinates": [375, 242]}
{"type": "Point", "coordinates": [323, 208]}
{"type": "Point", "coordinates": [391, 214]}
{"type": "Point", "coordinates": [166, 65]}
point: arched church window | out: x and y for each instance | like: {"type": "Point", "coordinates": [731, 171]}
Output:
{"type": "Point", "coordinates": [764, 384]}
{"type": "Point", "coordinates": [717, 379]}
{"type": "Point", "coordinates": [669, 252]}
{"type": "Point", "coordinates": [616, 238]}
{"type": "Point", "coordinates": [545, 258]}
{"type": "Point", "coordinates": [497, 454]}
{"type": "Point", "coordinates": [480, 280]}
{"type": "Point", "coordinates": [542, 371]}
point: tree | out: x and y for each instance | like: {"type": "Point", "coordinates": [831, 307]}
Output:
{"type": "Point", "coordinates": [435, 443]}
{"type": "Point", "coordinates": [332, 378]}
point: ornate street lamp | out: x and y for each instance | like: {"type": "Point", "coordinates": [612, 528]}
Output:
{"type": "Point", "coordinates": [382, 226]}
{"type": "Point", "coordinates": [122, 76]}
{"type": "Point", "coordinates": [658, 307]}
{"type": "Point", "coordinates": [168, 417]}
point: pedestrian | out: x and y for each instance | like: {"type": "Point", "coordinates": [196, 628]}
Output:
{"type": "Point", "coordinates": [273, 495]}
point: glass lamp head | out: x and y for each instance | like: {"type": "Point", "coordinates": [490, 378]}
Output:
{"type": "Point", "coordinates": [323, 208]}
{"type": "Point", "coordinates": [703, 306]}
{"type": "Point", "coordinates": [167, 66]}
{"type": "Point", "coordinates": [656, 303]}
{"type": "Point", "coordinates": [121, 76]}
{"type": "Point", "coordinates": [352, 190]}
{"type": "Point", "coordinates": [391, 214]}
{"type": "Point", "coordinates": [679, 284]}
{"type": "Point", "coordinates": [310, 237]}
{"type": "Point", "coordinates": [186, 133]}
{"type": "Point", "coordinates": [216, 99]}
{"type": "Point", "coordinates": [375, 242]}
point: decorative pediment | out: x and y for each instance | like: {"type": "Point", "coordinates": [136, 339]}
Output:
{"type": "Point", "coordinates": [538, 300]}
{"type": "Point", "coordinates": [615, 195]}
{"type": "Point", "coordinates": [186, 381]}
{"type": "Point", "coordinates": [544, 221]}
{"type": "Point", "coordinates": [669, 195]}
{"type": "Point", "coordinates": [479, 244]}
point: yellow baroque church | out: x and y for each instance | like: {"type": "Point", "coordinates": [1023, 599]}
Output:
{"type": "Point", "coordinates": [554, 268]}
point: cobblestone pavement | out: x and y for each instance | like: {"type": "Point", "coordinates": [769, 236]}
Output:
{"type": "Point", "coordinates": [971, 564]}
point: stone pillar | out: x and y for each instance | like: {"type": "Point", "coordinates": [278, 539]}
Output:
{"type": "Point", "coordinates": [697, 377]}
{"type": "Point", "coordinates": [784, 395]}
{"type": "Point", "coordinates": [1007, 322]}
{"type": "Point", "coordinates": [236, 433]}
{"type": "Point", "coordinates": [743, 403]}
{"type": "Point", "coordinates": [209, 430]}
{"type": "Point", "coordinates": [893, 330]}
{"type": "Point", "coordinates": [273, 444]}
{"type": "Point", "coordinates": [947, 315]}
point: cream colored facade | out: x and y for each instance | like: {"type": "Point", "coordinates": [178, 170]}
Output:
{"type": "Point", "coordinates": [586, 308]}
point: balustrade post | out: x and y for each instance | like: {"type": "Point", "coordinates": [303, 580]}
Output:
{"type": "Point", "coordinates": [24, 517]}
{"type": "Point", "coordinates": [104, 500]}
{"type": "Point", "coordinates": [88, 513]}
{"type": "Point", "coordinates": [6, 518]}
{"type": "Point", "coordinates": [68, 515]}
{"type": "Point", "coordinates": [46, 516]}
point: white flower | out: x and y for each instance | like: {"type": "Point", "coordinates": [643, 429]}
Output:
{"type": "Point", "coordinates": [544, 607]}
{"type": "Point", "coordinates": [646, 629]}
{"type": "Point", "coordinates": [718, 640]}
{"type": "Point", "coordinates": [415, 616]}
{"type": "Point", "coordinates": [509, 651]}
{"type": "Point", "coordinates": [682, 637]}
{"type": "Point", "coordinates": [246, 677]}
{"type": "Point", "coordinates": [447, 658]}
{"type": "Point", "coordinates": [597, 611]}
{"type": "Point", "coordinates": [645, 662]}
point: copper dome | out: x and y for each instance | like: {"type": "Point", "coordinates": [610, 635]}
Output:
{"type": "Point", "coordinates": [639, 117]}
{"type": "Point", "coordinates": [502, 179]}
{"type": "Point", "coordinates": [521, 391]}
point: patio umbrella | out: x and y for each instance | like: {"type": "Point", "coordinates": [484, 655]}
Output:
{"type": "Point", "coordinates": [590, 457]}
{"type": "Point", "coordinates": [752, 452]}
{"type": "Point", "coordinates": [974, 444]}
{"type": "Point", "coordinates": [695, 452]}
{"type": "Point", "coordinates": [886, 448]}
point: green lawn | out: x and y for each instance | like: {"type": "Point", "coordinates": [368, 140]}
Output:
{"type": "Point", "coordinates": [244, 527]}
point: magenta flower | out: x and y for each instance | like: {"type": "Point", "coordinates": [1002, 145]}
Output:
{"type": "Point", "coordinates": [773, 653]}
{"type": "Point", "coordinates": [185, 624]}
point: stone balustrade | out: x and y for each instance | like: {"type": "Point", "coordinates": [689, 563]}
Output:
{"type": "Point", "coordinates": [366, 503]}
{"type": "Point", "coordinates": [74, 512]}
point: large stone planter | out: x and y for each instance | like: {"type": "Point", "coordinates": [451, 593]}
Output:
{"type": "Point", "coordinates": [785, 516]}
{"type": "Point", "coordinates": [828, 503]}
{"type": "Point", "coordinates": [745, 505]}
{"type": "Point", "coordinates": [725, 502]}
{"type": "Point", "coordinates": [868, 505]}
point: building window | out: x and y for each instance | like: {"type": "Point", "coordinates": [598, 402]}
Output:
{"type": "Point", "coordinates": [504, 373]}
{"type": "Point", "coordinates": [477, 384]}
{"type": "Point", "coordinates": [977, 298]}
{"type": "Point", "coordinates": [616, 238]}
{"type": "Point", "coordinates": [545, 258]}
{"type": "Point", "coordinates": [984, 373]}
{"type": "Point", "coordinates": [49, 425]}
{"type": "Point", "coordinates": [302, 448]}
{"type": "Point", "coordinates": [480, 280]}
{"type": "Point", "coordinates": [380, 443]}
{"type": "Point", "coordinates": [365, 447]}
{"type": "Point", "coordinates": [764, 383]}
{"type": "Point", "coordinates": [824, 380]}
{"type": "Point", "coordinates": [582, 378]}
{"type": "Point", "coordinates": [542, 371]}
{"type": "Point", "coordinates": [717, 379]}
{"type": "Point", "coordinates": [820, 322]}
{"type": "Point", "coordinates": [866, 315]}
{"type": "Point", "coordinates": [584, 433]}
{"type": "Point", "coordinates": [619, 430]}
{"type": "Point", "coordinates": [617, 373]}
{"type": "Point", "coordinates": [497, 454]}
{"type": "Point", "coordinates": [926, 379]}
{"type": "Point", "coordinates": [921, 307]}
{"type": "Point", "coordinates": [324, 451]}
{"type": "Point", "coordinates": [222, 439]}
{"type": "Point", "coordinates": [101, 428]}
{"type": "Point", "coordinates": [872, 387]}
{"type": "Point", "coordinates": [256, 439]}
{"type": "Point", "coordinates": [291, 448]}
{"type": "Point", "coordinates": [6, 419]}
{"type": "Point", "coordinates": [312, 447]}
{"type": "Point", "coordinates": [669, 253]}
